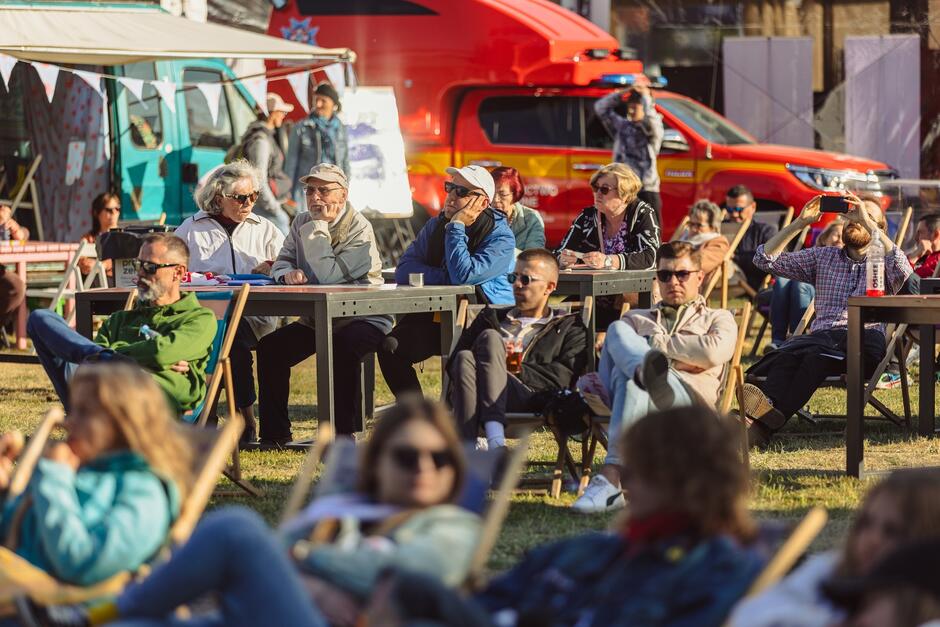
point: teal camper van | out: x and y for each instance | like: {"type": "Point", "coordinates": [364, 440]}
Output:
{"type": "Point", "coordinates": [130, 138]}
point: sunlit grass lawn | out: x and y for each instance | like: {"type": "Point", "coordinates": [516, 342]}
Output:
{"type": "Point", "coordinates": [803, 468]}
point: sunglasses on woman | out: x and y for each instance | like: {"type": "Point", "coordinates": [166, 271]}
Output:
{"type": "Point", "coordinates": [525, 279]}
{"type": "Point", "coordinates": [603, 189]}
{"type": "Point", "coordinates": [665, 276]}
{"type": "Point", "coordinates": [459, 190]}
{"type": "Point", "coordinates": [409, 457]}
{"type": "Point", "coordinates": [243, 199]}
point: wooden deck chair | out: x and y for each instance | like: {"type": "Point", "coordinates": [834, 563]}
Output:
{"type": "Point", "coordinates": [680, 230]}
{"type": "Point", "coordinates": [902, 226]}
{"type": "Point", "coordinates": [518, 423]}
{"type": "Point", "coordinates": [18, 195]}
{"type": "Point", "coordinates": [753, 294]}
{"type": "Point", "coordinates": [228, 308]}
{"type": "Point", "coordinates": [725, 269]}
{"type": "Point", "coordinates": [18, 577]}
{"type": "Point", "coordinates": [72, 280]}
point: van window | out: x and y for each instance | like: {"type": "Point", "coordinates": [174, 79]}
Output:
{"type": "Point", "coordinates": [241, 113]}
{"type": "Point", "coordinates": [146, 117]}
{"type": "Point", "coordinates": [202, 132]}
{"type": "Point", "coordinates": [530, 120]}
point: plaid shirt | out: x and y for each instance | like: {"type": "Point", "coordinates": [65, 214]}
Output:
{"type": "Point", "coordinates": [835, 277]}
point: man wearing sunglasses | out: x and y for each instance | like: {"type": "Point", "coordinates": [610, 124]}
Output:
{"type": "Point", "coordinates": [740, 205]}
{"type": "Point", "coordinates": [468, 243]}
{"type": "Point", "coordinates": [667, 356]}
{"type": "Point", "coordinates": [329, 244]}
{"type": "Point", "coordinates": [553, 344]}
{"type": "Point", "coordinates": [176, 349]}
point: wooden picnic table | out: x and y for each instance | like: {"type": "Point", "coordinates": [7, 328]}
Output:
{"type": "Point", "coordinates": [19, 254]}
{"type": "Point", "coordinates": [920, 311]}
{"type": "Point", "coordinates": [323, 303]}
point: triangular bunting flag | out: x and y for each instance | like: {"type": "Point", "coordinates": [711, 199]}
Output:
{"type": "Point", "coordinates": [337, 75]}
{"type": "Point", "coordinates": [167, 91]}
{"type": "Point", "coordinates": [135, 86]}
{"type": "Point", "coordinates": [300, 83]}
{"type": "Point", "coordinates": [211, 92]}
{"type": "Point", "coordinates": [6, 69]}
{"type": "Point", "coordinates": [93, 80]}
{"type": "Point", "coordinates": [48, 74]}
{"type": "Point", "coordinates": [258, 88]}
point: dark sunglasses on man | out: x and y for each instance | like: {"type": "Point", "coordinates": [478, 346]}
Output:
{"type": "Point", "coordinates": [525, 279]}
{"type": "Point", "coordinates": [665, 276]}
{"type": "Point", "coordinates": [409, 458]}
{"type": "Point", "coordinates": [460, 190]}
{"type": "Point", "coordinates": [243, 199]}
{"type": "Point", "coordinates": [735, 209]}
{"type": "Point", "coordinates": [149, 267]}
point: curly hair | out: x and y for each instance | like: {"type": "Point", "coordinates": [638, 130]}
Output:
{"type": "Point", "coordinates": [222, 180]}
{"type": "Point", "coordinates": [403, 412]}
{"type": "Point", "coordinates": [628, 183]}
{"type": "Point", "coordinates": [916, 496]}
{"type": "Point", "coordinates": [692, 456]}
{"type": "Point", "coordinates": [138, 409]}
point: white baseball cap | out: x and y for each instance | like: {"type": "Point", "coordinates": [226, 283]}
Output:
{"type": "Point", "coordinates": [474, 177]}
{"type": "Point", "coordinates": [276, 103]}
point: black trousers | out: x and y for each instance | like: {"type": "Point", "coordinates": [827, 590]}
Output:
{"type": "Point", "coordinates": [794, 376]}
{"type": "Point", "coordinates": [243, 377]}
{"type": "Point", "coordinates": [288, 346]}
{"type": "Point", "coordinates": [482, 389]}
{"type": "Point", "coordinates": [415, 338]}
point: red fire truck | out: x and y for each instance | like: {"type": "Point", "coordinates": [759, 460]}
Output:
{"type": "Point", "coordinates": [513, 82]}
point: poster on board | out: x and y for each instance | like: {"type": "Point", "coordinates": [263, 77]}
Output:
{"type": "Point", "coordinates": [378, 176]}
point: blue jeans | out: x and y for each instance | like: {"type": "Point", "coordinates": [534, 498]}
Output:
{"type": "Point", "coordinates": [234, 554]}
{"type": "Point", "coordinates": [623, 353]}
{"type": "Point", "coordinates": [60, 349]}
{"type": "Point", "coordinates": [787, 306]}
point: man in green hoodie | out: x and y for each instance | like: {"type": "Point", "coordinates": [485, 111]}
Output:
{"type": "Point", "coordinates": [167, 333]}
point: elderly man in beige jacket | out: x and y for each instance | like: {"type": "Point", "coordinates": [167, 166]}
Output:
{"type": "Point", "coordinates": [658, 358]}
{"type": "Point", "coordinates": [329, 244]}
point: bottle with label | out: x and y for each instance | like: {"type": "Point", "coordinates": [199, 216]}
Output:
{"type": "Point", "coordinates": [148, 333]}
{"type": "Point", "coordinates": [875, 266]}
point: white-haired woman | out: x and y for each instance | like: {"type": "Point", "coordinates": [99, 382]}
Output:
{"type": "Point", "coordinates": [226, 237]}
{"type": "Point", "coordinates": [704, 232]}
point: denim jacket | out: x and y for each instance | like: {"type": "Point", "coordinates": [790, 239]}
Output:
{"type": "Point", "coordinates": [599, 580]}
{"type": "Point", "coordinates": [305, 150]}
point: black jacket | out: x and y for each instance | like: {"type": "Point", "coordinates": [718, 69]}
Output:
{"type": "Point", "coordinates": [640, 244]}
{"type": "Point", "coordinates": [555, 357]}
{"type": "Point", "coordinates": [758, 233]}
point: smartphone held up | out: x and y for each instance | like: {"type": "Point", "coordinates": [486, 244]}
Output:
{"type": "Point", "coordinates": [833, 204]}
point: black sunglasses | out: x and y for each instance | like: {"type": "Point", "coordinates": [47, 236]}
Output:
{"type": "Point", "coordinates": [408, 457]}
{"type": "Point", "coordinates": [150, 267]}
{"type": "Point", "coordinates": [735, 209]}
{"type": "Point", "coordinates": [525, 279]}
{"type": "Point", "coordinates": [243, 199]}
{"type": "Point", "coordinates": [665, 276]}
{"type": "Point", "coordinates": [460, 190]}
{"type": "Point", "coordinates": [603, 189]}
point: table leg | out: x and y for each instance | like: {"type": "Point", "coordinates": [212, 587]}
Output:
{"type": "Point", "coordinates": [645, 299]}
{"type": "Point", "coordinates": [83, 319]}
{"type": "Point", "coordinates": [926, 411]}
{"type": "Point", "coordinates": [324, 330]}
{"type": "Point", "coordinates": [587, 289]}
{"type": "Point", "coordinates": [23, 311]}
{"type": "Point", "coordinates": [855, 387]}
{"type": "Point", "coordinates": [447, 334]}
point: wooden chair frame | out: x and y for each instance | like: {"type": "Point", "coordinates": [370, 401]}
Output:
{"type": "Point", "coordinates": [18, 577]}
{"type": "Point", "coordinates": [28, 184]}
{"type": "Point", "coordinates": [725, 269]}
{"type": "Point", "coordinates": [72, 280]}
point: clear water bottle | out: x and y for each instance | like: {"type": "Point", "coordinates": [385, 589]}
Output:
{"type": "Point", "coordinates": [875, 266]}
{"type": "Point", "coordinates": [4, 233]}
{"type": "Point", "coordinates": [148, 333]}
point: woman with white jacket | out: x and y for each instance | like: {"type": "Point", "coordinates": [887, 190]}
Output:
{"type": "Point", "coordinates": [226, 237]}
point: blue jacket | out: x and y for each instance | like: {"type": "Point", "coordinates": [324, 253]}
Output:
{"type": "Point", "coordinates": [82, 527]}
{"type": "Point", "coordinates": [486, 267]}
{"type": "Point", "coordinates": [596, 580]}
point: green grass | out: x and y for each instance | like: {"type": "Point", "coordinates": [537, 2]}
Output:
{"type": "Point", "coordinates": [803, 468]}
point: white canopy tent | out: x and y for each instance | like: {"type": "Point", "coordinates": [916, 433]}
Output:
{"type": "Point", "coordinates": [114, 35]}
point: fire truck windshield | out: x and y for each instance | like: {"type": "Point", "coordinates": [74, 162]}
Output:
{"type": "Point", "coordinates": [712, 127]}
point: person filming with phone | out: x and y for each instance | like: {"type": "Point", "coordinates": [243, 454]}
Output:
{"type": "Point", "coordinates": [795, 370]}
{"type": "Point", "coordinates": [515, 359]}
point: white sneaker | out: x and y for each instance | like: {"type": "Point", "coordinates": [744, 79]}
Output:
{"type": "Point", "coordinates": [599, 496]}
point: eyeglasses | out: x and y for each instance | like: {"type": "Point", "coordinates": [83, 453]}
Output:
{"type": "Point", "coordinates": [460, 190]}
{"type": "Point", "coordinates": [603, 189]}
{"type": "Point", "coordinates": [323, 190]}
{"type": "Point", "coordinates": [408, 457]}
{"type": "Point", "coordinates": [665, 276]}
{"type": "Point", "coordinates": [525, 279]}
{"type": "Point", "coordinates": [243, 199]}
{"type": "Point", "coordinates": [735, 209]}
{"type": "Point", "coordinates": [698, 225]}
{"type": "Point", "coordinates": [149, 267]}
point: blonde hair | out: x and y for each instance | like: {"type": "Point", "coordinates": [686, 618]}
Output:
{"type": "Point", "coordinates": [139, 411]}
{"type": "Point", "coordinates": [628, 183]}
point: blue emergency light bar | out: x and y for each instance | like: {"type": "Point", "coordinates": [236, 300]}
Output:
{"type": "Point", "coordinates": [626, 80]}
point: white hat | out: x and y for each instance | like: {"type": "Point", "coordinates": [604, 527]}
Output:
{"type": "Point", "coordinates": [276, 103]}
{"type": "Point", "coordinates": [474, 177]}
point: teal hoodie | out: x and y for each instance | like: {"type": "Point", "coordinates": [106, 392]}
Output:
{"type": "Point", "coordinates": [82, 527]}
{"type": "Point", "coordinates": [186, 330]}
